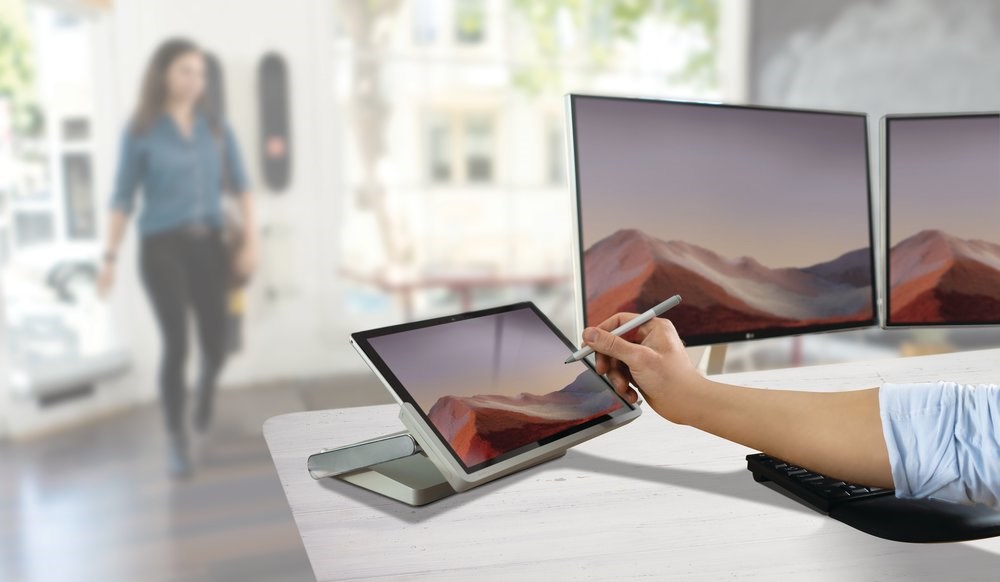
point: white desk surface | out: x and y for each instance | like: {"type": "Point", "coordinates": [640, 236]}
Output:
{"type": "Point", "coordinates": [651, 500]}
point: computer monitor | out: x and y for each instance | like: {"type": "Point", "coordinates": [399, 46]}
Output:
{"type": "Point", "coordinates": [941, 207]}
{"type": "Point", "coordinates": [760, 218]}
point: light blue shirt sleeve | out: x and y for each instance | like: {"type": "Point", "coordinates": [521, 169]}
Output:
{"type": "Point", "coordinates": [943, 440]}
{"type": "Point", "coordinates": [129, 173]}
{"type": "Point", "coordinates": [234, 163]}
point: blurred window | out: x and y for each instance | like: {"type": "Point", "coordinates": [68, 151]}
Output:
{"type": "Point", "coordinates": [440, 150]}
{"type": "Point", "coordinates": [33, 228]}
{"type": "Point", "coordinates": [470, 21]}
{"type": "Point", "coordinates": [76, 129]}
{"type": "Point", "coordinates": [468, 103]}
{"type": "Point", "coordinates": [48, 217]}
{"type": "Point", "coordinates": [425, 14]}
{"type": "Point", "coordinates": [601, 22]}
{"type": "Point", "coordinates": [32, 177]}
{"type": "Point", "coordinates": [78, 188]}
{"type": "Point", "coordinates": [479, 149]}
{"type": "Point", "coordinates": [555, 146]}
{"type": "Point", "coordinates": [461, 148]}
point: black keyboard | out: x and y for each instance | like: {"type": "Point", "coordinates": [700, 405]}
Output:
{"type": "Point", "coordinates": [820, 491]}
{"type": "Point", "coordinates": [878, 511]}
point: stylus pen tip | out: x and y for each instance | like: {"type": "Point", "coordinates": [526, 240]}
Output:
{"type": "Point", "coordinates": [568, 360]}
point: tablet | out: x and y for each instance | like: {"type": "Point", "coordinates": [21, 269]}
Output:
{"type": "Point", "coordinates": [488, 392]}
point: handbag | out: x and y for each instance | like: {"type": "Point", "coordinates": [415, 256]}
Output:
{"type": "Point", "coordinates": [233, 228]}
{"type": "Point", "coordinates": [233, 239]}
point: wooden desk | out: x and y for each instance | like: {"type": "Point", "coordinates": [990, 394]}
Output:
{"type": "Point", "coordinates": [652, 500]}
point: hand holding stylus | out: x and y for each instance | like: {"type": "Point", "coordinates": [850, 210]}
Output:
{"type": "Point", "coordinates": [629, 325]}
{"type": "Point", "coordinates": [653, 360]}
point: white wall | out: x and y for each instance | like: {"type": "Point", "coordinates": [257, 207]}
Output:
{"type": "Point", "coordinates": [884, 56]}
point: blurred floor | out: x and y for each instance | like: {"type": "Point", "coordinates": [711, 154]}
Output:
{"type": "Point", "coordinates": [95, 502]}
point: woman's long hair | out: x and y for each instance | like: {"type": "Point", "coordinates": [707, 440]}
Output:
{"type": "Point", "coordinates": [153, 96]}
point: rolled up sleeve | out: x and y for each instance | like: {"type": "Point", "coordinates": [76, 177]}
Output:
{"type": "Point", "coordinates": [129, 174]}
{"type": "Point", "coordinates": [234, 164]}
{"type": "Point", "coordinates": [943, 440]}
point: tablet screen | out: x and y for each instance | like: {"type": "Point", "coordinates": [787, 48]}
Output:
{"type": "Point", "coordinates": [495, 385]}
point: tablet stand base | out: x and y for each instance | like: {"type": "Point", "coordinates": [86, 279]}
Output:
{"type": "Point", "coordinates": [391, 465]}
{"type": "Point", "coordinates": [414, 480]}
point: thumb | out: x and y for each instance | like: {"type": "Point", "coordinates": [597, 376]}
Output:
{"type": "Point", "coordinates": [606, 343]}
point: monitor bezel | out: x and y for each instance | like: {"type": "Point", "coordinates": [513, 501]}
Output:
{"type": "Point", "coordinates": [690, 340]}
{"type": "Point", "coordinates": [392, 382]}
{"type": "Point", "coordinates": [886, 249]}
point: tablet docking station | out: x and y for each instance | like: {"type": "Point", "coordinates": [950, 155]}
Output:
{"type": "Point", "coordinates": [396, 466]}
{"type": "Point", "coordinates": [510, 403]}
{"type": "Point", "coordinates": [392, 465]}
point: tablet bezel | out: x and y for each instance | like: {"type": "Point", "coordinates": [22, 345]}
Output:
{"type": "Point", "coordinates": [361, 341]}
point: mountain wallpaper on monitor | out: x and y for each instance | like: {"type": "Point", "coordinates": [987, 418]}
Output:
{"type": "Point", "coordinates": [940, 278]}
{"type": "Point", "coordinates": [484, 426]}
{"type": "Point", "coordinates": [632, 271]}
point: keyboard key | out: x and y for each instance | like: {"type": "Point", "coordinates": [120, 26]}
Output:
{"type": "Point", "coordinates": [816, 489]}
{"type": "Point", "coordinates": [834, 493]}
{"type": "Point", "coordinates": [805, 479]}
{"type": "Point", "coordinates": [822, 483]}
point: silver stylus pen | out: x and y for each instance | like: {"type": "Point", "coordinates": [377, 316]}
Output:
{"type": "Point", "coordinates": [630, 325]}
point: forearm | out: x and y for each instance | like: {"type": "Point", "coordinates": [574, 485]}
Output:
{"type": "Point", "coordinates": [838, 434]}
{"type": "Point", "coordinates": [248, 213]}
{"type": "Point", "coordinates": [835, 433]}
{"type": "Point", "coordinates": [117, 223]}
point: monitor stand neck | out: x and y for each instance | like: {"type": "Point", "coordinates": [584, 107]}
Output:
{"type": "Point", "coordinates": [713, 360]}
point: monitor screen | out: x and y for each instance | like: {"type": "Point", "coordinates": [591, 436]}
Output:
{"type": "Point", "coordinates": [942, 204]}
{"type": "Point", "coordinates": [495, 385]}
{"type": "Point", "coordinates": [760, 218]}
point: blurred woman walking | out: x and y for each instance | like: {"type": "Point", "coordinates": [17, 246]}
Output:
{"type": "Point", "coordinates": [181, 154]}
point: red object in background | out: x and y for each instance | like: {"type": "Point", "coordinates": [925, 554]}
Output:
{"type": "Point", "coordinates": [276, 147]}
{"type": "Point", "coordinates": [274, 117]}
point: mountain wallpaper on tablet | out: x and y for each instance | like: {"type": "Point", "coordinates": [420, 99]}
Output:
{"type": "Point", "coordinates": [493, 384]}
{"type": "Point", "coordinates": [943, 209]}
{"type": "Point", "coordinates": [484, 426]}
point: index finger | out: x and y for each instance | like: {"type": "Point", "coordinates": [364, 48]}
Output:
{"type": "Point", "coordinates": [606, 363]}
{"type": "Point", "coordinates": [617, 320]}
